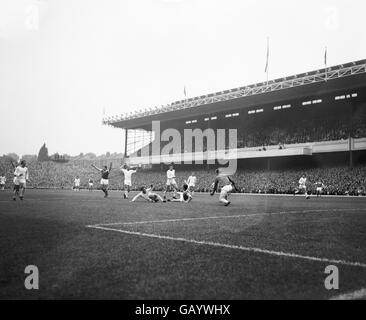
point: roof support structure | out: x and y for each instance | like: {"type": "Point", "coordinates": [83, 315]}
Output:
{"type": "Point", "coordinates": [322, 75]}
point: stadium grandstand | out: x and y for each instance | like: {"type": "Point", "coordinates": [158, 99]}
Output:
{"type": "Point", "coordinates": [312, 119]}
{"type": "Point", "coordinates": [312, 123]}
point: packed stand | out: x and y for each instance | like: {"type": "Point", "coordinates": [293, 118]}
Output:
{"type": "Point", "coordinates": [338, 180]}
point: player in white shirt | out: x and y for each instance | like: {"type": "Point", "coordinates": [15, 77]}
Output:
{"type": "Point", "coordinates": [228, 186]}
{"type": "Point", "coordinates": [191, 182]}
{"type": "Point", "coordinates": [77, 184]}
{"type": "Point", "coordinates": [2, 182]}
{"type": "Point", "coordinates": [21, 176]}
{"type": "Point", "coordinates": [184, 196]}
{"type": "Point", "coordinates": [170, 182]}
{"type": "Point", "coordinates": [148, 194]}
{"type": "Point", "coordinates": [170, 174]}
{"type": "Point", "coordinates": [127, 172]}
{"type": "Point", "coordinates": [302, 186]}
{"type": "Point", "coordinates": [91, 184]}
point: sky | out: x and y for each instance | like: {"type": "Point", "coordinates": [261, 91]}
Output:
{"type": "Point", "coordinates": [65, 63]}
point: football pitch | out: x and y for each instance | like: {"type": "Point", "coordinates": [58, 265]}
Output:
{"type": "Point", "coordinates": [260, 247]}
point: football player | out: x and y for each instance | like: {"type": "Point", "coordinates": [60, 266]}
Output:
{"type": "Point", "coordinates": [228, 186]}
{"type": "Point", "coordinates": [104, 181]}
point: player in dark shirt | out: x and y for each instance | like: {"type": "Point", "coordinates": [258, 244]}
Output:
{"type": "Point", "coordinates": [319, 188]}
{"type": "Point", "coordinates": [104, 182]}
{"type": "Point", "coordinates": [228, 185]}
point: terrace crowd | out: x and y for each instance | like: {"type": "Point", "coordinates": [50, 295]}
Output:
{"type": "Point", "coordinates": [273, 131]}
{"type": "Point", "coordinates": [338, 180]}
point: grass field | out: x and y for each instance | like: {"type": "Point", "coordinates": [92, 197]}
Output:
{"type": "Point", "coordinates": [260, 247]}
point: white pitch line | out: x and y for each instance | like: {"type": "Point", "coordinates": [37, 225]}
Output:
{"type": "Point", "coordinates": [225, 217]}
{"type": "Point", "coordinates": [356, 295]}
{"type": "Point", "coordinates": [228, 246]}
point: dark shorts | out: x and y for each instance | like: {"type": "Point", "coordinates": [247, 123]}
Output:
{"type": "Point", "coordinates": [154, 198]}
{"type": "Point", "coordinates": [16, 187]}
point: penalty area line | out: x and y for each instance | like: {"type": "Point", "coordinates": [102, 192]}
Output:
{"type": "Point", "coordinates": [225, 217]}
{"type": "Point", "coordinates": [235, 247]}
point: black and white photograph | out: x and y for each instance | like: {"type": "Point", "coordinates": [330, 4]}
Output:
{"type": "Point", "coordinates": [182, 154]}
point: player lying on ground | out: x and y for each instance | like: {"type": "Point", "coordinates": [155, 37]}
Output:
{"type": "Point", "coordinates": [148, 194]}
{"type": "Point", "coordinates": [127, 172]}
{"type": "Point", "coordinates": [184, 196]}
{"type": "Point", "coordinates": [104, 182]}
{"type": "Point", "coordinates": [170, 182]}
{"type": "Point", "coordinates": [21, 176]}
{"type": "Point", "coordinates": [228, 186]}
{"type": "Point", "coordinates": [2, 182]}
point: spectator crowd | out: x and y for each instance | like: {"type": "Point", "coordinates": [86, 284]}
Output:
{"type": "Point", "coordinates": [263, 130]}
{"type": "Point", "coordinates": [338, 180]}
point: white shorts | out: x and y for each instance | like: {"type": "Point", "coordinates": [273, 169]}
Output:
{"type": "Point", "coordinates": [18, 181]}
{"type": "Point", "coordinates": [226, 190]}
{"type": "Point", "coordinates": [319, 189]}
{"type": "Point", "coordinates": [302, 187]}
{"type": "Point", "coordinates": [171, 182]}
{"type": "Point", "coordinates": [191, 185]}
{"type": "Point", "coordinates": [90, 184]}
{"type": "Point", "coordinates": [128, 183]}
{"type": "Point", "coordinates": [77, 185]}
{"type": "Point", "coordinates": [104, 182]}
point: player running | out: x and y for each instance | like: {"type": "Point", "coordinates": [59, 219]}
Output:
{"type": "Point", "coordinates": [191, 182]}
{"type": "Point", "coordinates": [228, 186]}
{"type": "Point", "coordinates": [170, 182]}
{"type": "Point", "coordinates": [77, 184]}
{"type": "Point", "coordinates": [104, 182]}
{"type": "Point", "coordinates": [148, 194]}
{"type": "Point", "coordinates": [302, 187]}
{"type": "Point", "coordinates": [2, 182]}
{"type": "Point", "coordinates": [184, 196]}
{"type": "Point", "coordinates": [21, 176]}
{"type": "Point", "coordinates": [127, 172]}
{"type": "Point", "coordinates": [319, 188]}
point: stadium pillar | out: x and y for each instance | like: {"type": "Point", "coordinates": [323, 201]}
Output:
{"type": "Point", "coordinates": [208, 127]}
{"type": "Point", "coordinates": [126, 136]}
{"type": "Point", "coordinates": [350, 152]}
{"type": "Point", "coordinates": [350, 135]}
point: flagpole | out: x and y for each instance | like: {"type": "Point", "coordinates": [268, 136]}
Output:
{"type": "Point", "coordinates": [185, 97]}
{"type": "Point", "coordinates": [267, 63]}
{"type": "Point", "coordinates": [325, 63]}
